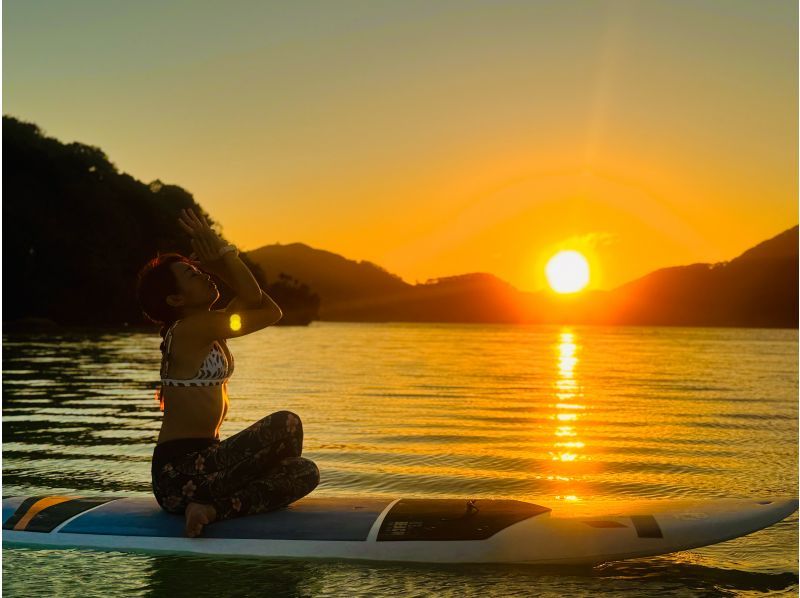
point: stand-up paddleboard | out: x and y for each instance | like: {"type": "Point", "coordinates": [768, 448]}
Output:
{"type": "Point", "coordinates": [413, 530]}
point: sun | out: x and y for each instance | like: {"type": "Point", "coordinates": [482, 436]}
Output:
{"type": "Point", "coordinates": [567, 272]}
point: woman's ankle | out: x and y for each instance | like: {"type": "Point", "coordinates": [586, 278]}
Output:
{"type": "Point", "coordinates": [209, 508]}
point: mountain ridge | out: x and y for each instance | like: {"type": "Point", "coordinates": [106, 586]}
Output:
{"type": "Point", "coordinates": [677, 289]}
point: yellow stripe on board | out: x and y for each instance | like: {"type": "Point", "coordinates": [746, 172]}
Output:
{"type": "Point", "coordinates": [38, 506]}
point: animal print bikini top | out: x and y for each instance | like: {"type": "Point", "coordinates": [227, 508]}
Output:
{"type": "Point", "coordinates": [214, 371]}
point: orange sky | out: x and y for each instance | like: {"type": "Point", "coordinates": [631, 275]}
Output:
{"type": "Point", "coordinates": [437, 138]}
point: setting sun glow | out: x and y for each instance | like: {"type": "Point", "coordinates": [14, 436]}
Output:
{"type": "Point", "coordinates": [567, 272]}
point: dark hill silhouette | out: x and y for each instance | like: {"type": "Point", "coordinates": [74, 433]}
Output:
{"type": "Point", "coordinates": [339, 281]}
{"type": "Point", "coordinates": [76, 231]}
{"type": "Point", "coordinates": [363, 291]}
{"type": "Point", "coordinates": [759, 288]}
{"type": "Point", "coordinates": [782, 246]}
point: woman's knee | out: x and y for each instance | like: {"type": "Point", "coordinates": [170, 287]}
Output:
{"type": "Point", "coordinates": [305, 469]}
{"type": "Point", "coordinates": [286, 415]}
{"type": "Point", "coordinates": [283, 418]}
{"type": "Point", "coordinates": [287, 421]}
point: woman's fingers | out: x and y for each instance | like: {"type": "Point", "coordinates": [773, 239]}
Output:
{"type": "Point", "coordinates": [204, 223]}
{"type": "Point", "coordinates": [184, 226]}
{"type": "Point", "coordinates": [210, 239]}
{"type": "Point", "coordinates": [198, 227]}
{"type": "Point", "coordinates": [187, 224]}
{"type": "Point", "coordinates": [189, 218]}
{"type": "Point", "coordinates": [198, 224]}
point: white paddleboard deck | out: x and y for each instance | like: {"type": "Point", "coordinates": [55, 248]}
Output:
{"type": "Point", "coordinates": [440, 530]}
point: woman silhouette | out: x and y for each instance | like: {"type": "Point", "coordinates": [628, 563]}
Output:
{"type": "Point", "coordinates": [194, 473]}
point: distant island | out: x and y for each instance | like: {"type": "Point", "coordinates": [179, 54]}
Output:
{"type": "Point", "coordinates": [76, 231]}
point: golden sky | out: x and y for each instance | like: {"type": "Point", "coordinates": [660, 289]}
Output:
{"type": "Point", "coordinates": [437, 138]}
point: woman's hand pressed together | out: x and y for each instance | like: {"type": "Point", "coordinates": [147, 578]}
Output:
{"type": "Point", "coordinates": [204, 240]}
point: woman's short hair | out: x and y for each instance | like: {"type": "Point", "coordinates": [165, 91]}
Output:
{"type": "Point", "coordinates": [154, 283]}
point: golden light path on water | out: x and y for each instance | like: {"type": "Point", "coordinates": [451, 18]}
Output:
{"type": "Point", "coordinates": [567, 446]}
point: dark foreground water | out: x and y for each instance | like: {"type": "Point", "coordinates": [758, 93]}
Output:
{"type": "Point", "coordinates": [537, 413]}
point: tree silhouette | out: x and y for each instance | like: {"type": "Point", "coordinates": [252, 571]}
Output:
{"type": "Point", "coordinates": [77, 231]}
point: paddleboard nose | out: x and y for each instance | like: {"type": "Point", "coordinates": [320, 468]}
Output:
{"type": "Point", "coordinates": [775, 508]}
{"type": "Point", "coordinates": [785, 504]}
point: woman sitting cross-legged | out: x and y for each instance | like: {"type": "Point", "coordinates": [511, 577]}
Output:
{"type": "Point", "coordinates": [194, 473]}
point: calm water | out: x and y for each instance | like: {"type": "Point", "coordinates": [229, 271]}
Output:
{"type": "Point", "coordinates": [538, 413]}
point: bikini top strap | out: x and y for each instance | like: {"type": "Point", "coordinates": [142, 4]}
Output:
{"type": "Point", "coordinates": [167, 345]}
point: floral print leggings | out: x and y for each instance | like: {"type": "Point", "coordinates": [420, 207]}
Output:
{"type": "Point", "coordinates": [254, 471]}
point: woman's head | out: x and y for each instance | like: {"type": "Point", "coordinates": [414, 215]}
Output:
{"type": "Point", "coordinates": [171, 286]}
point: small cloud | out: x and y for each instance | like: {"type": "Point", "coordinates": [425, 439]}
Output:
{"type": "Point", "coordinates": [595, 239]}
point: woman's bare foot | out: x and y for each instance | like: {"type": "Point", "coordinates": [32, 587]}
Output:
{"type": "Point", "coordinates": [198, 515]}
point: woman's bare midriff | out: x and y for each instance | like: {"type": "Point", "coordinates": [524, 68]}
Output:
{"type": "Point", "coordinates": [193, 412]}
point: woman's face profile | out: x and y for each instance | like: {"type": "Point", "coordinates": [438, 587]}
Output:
{"type": "Point", "coordinates": [195, 286]}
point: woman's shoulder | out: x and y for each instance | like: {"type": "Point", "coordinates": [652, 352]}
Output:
{"type": "Point", "coordinates": [189, 333]}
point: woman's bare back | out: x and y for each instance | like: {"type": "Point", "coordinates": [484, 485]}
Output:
{"type": "Point", "coordinates": [191, 411]}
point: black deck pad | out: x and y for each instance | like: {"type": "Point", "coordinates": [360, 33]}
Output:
{"type": "Point", "coordinates": [646, 526]}
{"type": "Point", "coordinates": [453, 519]}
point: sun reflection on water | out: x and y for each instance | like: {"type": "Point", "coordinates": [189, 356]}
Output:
{"type": "Point", "coordinates": [568, 448]}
